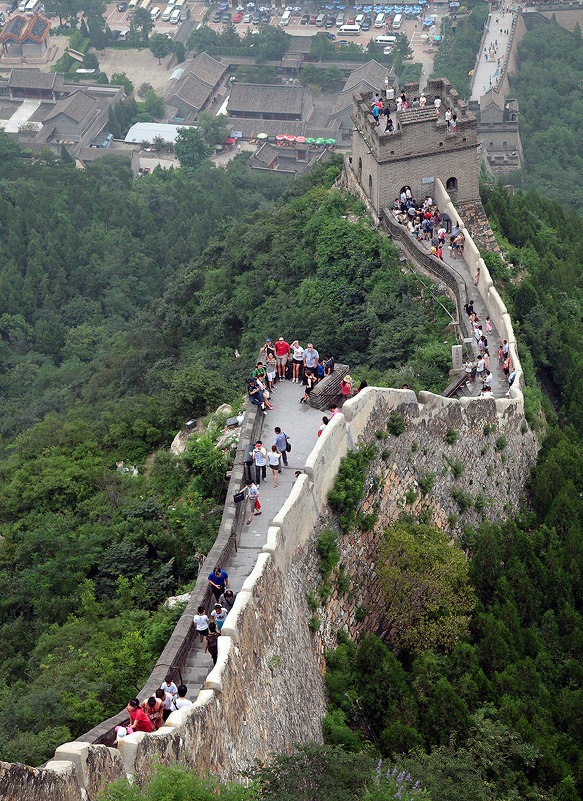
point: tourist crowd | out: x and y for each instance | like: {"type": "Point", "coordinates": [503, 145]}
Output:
{"type": "Point", "coordinates": [424, 221]}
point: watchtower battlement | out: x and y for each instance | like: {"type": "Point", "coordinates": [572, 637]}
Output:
{"type": "Point", "coordinates": [421, 148]}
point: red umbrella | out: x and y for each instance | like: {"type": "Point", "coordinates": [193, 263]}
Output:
{"type": "Point", "coordinates": [301, 140]}
{"type": "Point", "coordinates": [230, 141]}
{"type": "Point", "coordinates": [290, 138]}
{"type": "Point", "coordinates": [280, 137]}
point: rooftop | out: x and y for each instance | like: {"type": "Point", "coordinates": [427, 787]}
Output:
{"type": "Point", "coordinates": [76, 106]}
{"type": "Point", "coordinates": [21, 29]}
{"type": "Point", "coordinates": [24, 78]}
{"type": "Point", "coordinates": [267, 98]}
{"type": "Point", "coordinates": [148, 131]}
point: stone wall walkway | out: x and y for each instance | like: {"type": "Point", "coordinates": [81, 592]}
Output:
{"type": "Point", "coordinates": [300, 422]}
{"type": "Point", "coordinates": [499, 383]}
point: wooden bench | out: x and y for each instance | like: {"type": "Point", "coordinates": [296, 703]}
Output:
{"type": "Point", "coordinates": [328, 391]}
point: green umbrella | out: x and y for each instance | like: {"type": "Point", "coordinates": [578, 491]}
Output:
{"type": "Point", "coordinates": [320, 141]}
{"type": "Point", "coordinates": [310, 141]}
{"type": "Point", "coordinates": [330, 141]}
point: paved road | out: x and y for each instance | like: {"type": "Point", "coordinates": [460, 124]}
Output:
{"type": "Point", "coordinates": [492, 54]}
{"type": "Point", "coordinates": [300, 423]}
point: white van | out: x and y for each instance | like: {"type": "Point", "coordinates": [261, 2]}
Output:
{"type": "Point", "coordinates": [285, 18]}
{"type": "Point", "coordinates": [167, 13]}
{"type": "Point", "coordinates": [349, 30]}
{"type": "Point", "coordinates": [340, 20]}
{"type": "Point", "coordinates": [397, 22]}
{"type": "Point", "coordinates": [386, 39]}
{"type": "Point", "coordinates": [175, 16]}
{"type": "Point", "coordinates": [22, 5]}
{"type": "Point", "coordinates": [155, 13]}
{"type": "Point", "coordinates": [320, 20]}
{"type": "Point", "coordinates": [379, 21]}
{"type": "Point", "coordinates": [358, 20]}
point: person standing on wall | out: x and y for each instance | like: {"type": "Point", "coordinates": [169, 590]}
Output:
{"type": "Point", "coordinates": [260, 459]}
{"type": "Point", "coordinates": [253, 503]}
{"type": "Point", "coordinates": [218, 580]}
{"type": "Point", "coordinates": [212, 645]}
{"type": "Point", "coordinates": [280, 443]}
{"type": "Point", "coordinates": [281, 353]}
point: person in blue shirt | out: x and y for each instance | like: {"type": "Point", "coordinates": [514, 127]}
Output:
{"type": "Point", "coordinates": [218, 580]}
{"type": "Point", "coordinates": [320, 370]}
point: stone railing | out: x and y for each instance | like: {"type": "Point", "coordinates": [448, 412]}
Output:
{"type": "Point", "coordinates": [494, 304]}
{"type": "Point", "coordinates": [258, 699]}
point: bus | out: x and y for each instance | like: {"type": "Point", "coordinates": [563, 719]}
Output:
{"type": "Point", "coordinates": [179, 4]}
{"type": "Point", "coordinates": [32, 7]}
{"type": "Point", "coordinates": [145, 4]}
{"type": "Point", "coordinates": [155, 13]}
{"type": "Point", "coordinates": [285, 18]}
{"type": "Point", "coordinates": [379, 21]}
{"type": "Point", "coordinates": [397, 22]}
{"type": "Point", "coordinates": [133, 4]}
{"type": "Point", "coordinates": [349, 30]}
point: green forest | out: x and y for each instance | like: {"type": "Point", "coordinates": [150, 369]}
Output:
{"type": "Point", "coordinates": [548, 88]}
{"type": "Point", "coordinates": [123, 304]}
{"type": "Point", "coordinates": [493, 714]}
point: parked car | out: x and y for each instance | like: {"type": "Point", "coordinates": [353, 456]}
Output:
{"type": "Point", "coordinates": [264, 19]}
{"type": "Point", "coordinates": [256, 19]}
{"type": "Point", "coordinates": [366, 23]}
{"type": "Point", "coordinates": [329, 22]}
{"type": "Point", "coordinates": [247, 18]}
{"type": "Point", "coordinates": [11, 6]}
{"type": "Point", "coordinates": [217, 16]}
{"type": "Point", "coordinates": [313, 18]}
{"type": "Point", "coordinates": [226, 18]}
{"type": "Point", "coordinates": [237, 18]}
{"type": "Point", "coordinates": [305, 19]}
{"type": "Point", "coordinates": [350, 21]}
{"type": "Point", "coordinates": [122, 7]}
{"type": "Point", "coordinates": [327, 34]}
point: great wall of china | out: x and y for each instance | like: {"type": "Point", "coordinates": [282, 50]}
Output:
{"type": "Point", "coordinates": [266, 690]}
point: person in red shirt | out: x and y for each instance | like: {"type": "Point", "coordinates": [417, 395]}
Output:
{"type": "Point", "coordinates": [281, 353]}
{"type": "Point", "coordinates": [139, 721]}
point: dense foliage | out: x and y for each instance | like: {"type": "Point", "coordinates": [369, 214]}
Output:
{"type": "Point", "coordinates": [119, 319]}
{"type": "Point", "coordinates": [496, 716]}
{"type": "Point", "coordinates": [549, 77]}
{"type": "Point", "coordinates": [456, 55]}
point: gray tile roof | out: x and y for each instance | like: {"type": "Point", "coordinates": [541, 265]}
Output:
{"type": "Point", "coordinates": [76, 106]}
{"type": "Point", "coordinates": [299, 44]}
{"type": "Point", "coordinates": [266, 98]}
{"type": "Point", "coordinates": [35, 79]}
{"type": "Point", "coordinates": [191, 91]}
{"type": "Point", "coordinates": [372, 73]}
{"type": "Point", "coordinates": [206, 68]}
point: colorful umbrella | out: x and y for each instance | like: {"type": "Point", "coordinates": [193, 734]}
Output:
{"type": "Point", "coordinates": [300, 140]}
{"type": "Point", "coordinates": [280, 137]}
{"type": "Point", "coordinates": [229, 141]}
{"type": "Point", "coordinates": [320, 141]}
{"type": "Point", "coordinates": [262, 136]}
{"type": "Point", "coordinates": [310, 141]}
{"type": "Point", "coordinates": [330, 141]}
{"type": "Point", "coordinates": [290, 138]}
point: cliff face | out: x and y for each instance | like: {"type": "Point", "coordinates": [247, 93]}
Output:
{"type": "Point", "coordinates": [486, 468]}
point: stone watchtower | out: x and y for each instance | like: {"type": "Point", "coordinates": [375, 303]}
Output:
{"type": "Point", "coordinates": [419, 150]}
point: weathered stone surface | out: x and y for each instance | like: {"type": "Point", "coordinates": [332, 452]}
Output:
{"type": "Point", "coordinates": [57, 783]}
{"type": "Point", "coordinates": [95, 765]}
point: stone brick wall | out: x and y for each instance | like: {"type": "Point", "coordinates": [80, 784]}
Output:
{"type": "Point", "coordinates": [420, 148]}
{"type": "Point", "coordinates": [496, 476]}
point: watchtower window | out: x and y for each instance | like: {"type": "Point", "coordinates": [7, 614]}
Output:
{"type": "Point", "coordinates": [370, 185]}
{"type": "Point", "coordinates": [451, 185]}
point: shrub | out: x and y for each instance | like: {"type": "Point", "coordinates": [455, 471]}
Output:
{"type": "Point", "coordinates": [348, 489]}
{"type": "Point", "coordinates": [489, 428]}
{"type": "Point", "coordinates": [479, 503]}
{"type": "Point", "coordinates": [343, 581]}
{"type": "Point", "coordinates": [414, 446]}
{"type": "Point", "coordinates": [386, 455]}
{"type": "Point", "coordinates": [451, 436]}
{"type": "Point", "coordinates": [312, 601]}
{"type": "Point", "coordinates": [380, 434]}
{"type": "Point", "coordinates": [501, 443]}
{"type": "Point", "coordinates": [396, 424]}
{"type": "Point", "coordinates": [327, 547]}
{"type": "Point", "coordinates": [463, 499]}
{"type": "Point", "coordinates": [457, 468]}
{"type": "Point", "coordinates": [426, 483]}
{"type": "Point", "coordinates": [314, 624]}
{"type": "Point", "coordinates": [361, 613]}
{"type": "Point", "coordinates": [410, 496]}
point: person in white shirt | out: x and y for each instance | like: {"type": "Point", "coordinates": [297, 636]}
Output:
{"type": "Point", "coordinates": [437, 104]}
{"type": "Point", "coordinates": [201, 622]}
{"type": "Point", "coordinates": [260, 459]}
{"type": "Point", "coordinates": [166, 699]}
{"type": "Point", "coordinates": [219, 615]}
{"type": "Point", "coordinates": [297, 360]}
{"type": "Point", "coordinates": [182, 700]}
{"type": "Point", "coordinates": [274, 457]}
{"type": "Point", "coordinates": [168, 686]}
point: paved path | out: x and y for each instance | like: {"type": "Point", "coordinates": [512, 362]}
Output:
{"type": "Point", "coordinates": [499, 384]}
{"type": "Point", "coordinates": [488, 70]}
{"type": "Point", "coordinates": [300, 423]}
